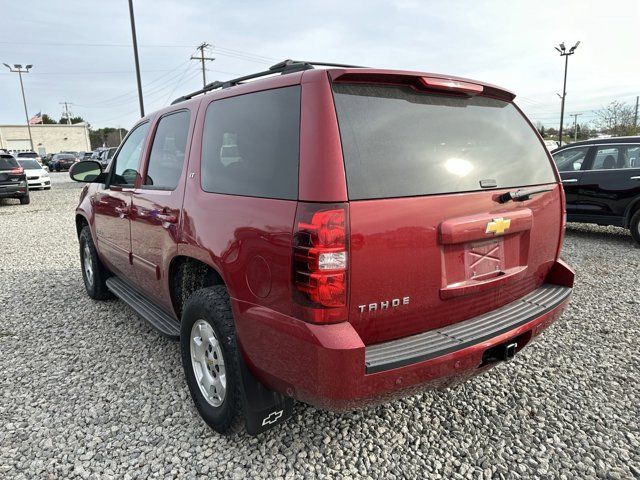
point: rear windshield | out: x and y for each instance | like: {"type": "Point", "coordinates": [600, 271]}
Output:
{"type": "Point", "coordinates": [398, 142]}
{"type": "Point", "coordinates": [65, 157]}
{"type": "Point", "coordinates": [27, 155]}
{"type": "Point", "coordinates": [8, 163]}
{"type": "Point", "coordinates": [29, 164]}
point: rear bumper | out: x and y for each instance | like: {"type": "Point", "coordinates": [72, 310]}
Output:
{"type": "Point", "coordinates": [329, 366]}
{"type": "Point", "coordinates": [12, 191]}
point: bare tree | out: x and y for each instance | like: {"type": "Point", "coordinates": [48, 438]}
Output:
{"type": "Point", "coordinates": [616, 119]}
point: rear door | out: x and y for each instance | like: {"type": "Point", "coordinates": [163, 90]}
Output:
{"type": "Point", "coordinates": [431, 244]}
{"type": "Point", "coordinates": [611, 182]}
{"type": "Point", "coordinates": [571, 162]}
{"type": "Point", "coordinates": [112, 204]}
{"type": "Point", "coordinates": [156, 205]}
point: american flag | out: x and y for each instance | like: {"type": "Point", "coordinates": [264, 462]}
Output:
{"type": "Point", "coordinates": [37, 118]}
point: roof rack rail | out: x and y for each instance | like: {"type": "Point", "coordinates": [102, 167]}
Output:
{"type": "Point", "coordinates": [283, 68]}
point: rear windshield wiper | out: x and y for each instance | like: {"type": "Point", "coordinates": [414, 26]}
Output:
{"type": "Point", "coordinates": [521, 195]}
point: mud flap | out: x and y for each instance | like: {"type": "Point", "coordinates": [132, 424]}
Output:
{"type": "Point", "coordinates": [263, 408]}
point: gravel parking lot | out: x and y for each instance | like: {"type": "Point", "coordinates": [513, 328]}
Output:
{"type": "Point", "coordinates": [89, 390]}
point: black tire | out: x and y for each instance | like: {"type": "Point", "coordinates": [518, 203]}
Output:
{"type": "Point", "coordinates": [57, 168]}
{"type": "Point", "coordinates": [634, 226]}
{"type": "Point", "coordinates": [25, 200]}
{"type": "Point", "coordinates": [212, 306]}
{"type": "Point", "coordinates": [96, 287]}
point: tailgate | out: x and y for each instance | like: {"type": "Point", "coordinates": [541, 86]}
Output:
{"type": "Point", "coordinates": [432, 243]}
{"type": "Point", "coordinates": [415, 268]}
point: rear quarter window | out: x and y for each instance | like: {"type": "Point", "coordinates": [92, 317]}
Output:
{"type": "Point", "coordinates": [250, 144]}
{"type": "Point", "coordinates": [398, 142]}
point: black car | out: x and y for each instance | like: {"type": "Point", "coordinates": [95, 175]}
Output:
{"type": "Point", "coordinates": [62, 161]}
{"type": "Point", "coordinates": [106, 156]}
{"type": "Point", "coordinates": [13, 180]}
{"type": "Point", "coordinates": [601, 179]}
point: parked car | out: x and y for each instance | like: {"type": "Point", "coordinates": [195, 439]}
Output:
{"type": "Point", "coordinates": [341, 236]}
{"type": "Point", "coordinates": [551, 144]}
{"type": "Point", "coordinates": [37, 176]}
{"type": "Point", "coordinates": [13, 180]}
{"type": "Point", "coordinates": [62, 161]}
{"type": "Point", "coordinates": [601, 179]}
{"type": "Point", "coordinates": [46, 159]}
{"type": "Point", "coordinates": [32, 155]}
{"type": "Point", "coordinates": [106, 155]}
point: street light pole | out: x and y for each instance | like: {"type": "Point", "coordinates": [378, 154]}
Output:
{"type": "Point", "coordinates": [135, 56]}
{"type": "Point", "coordinates": [19, 70]}
{"type": "Point", "coordinates": [564, 53]}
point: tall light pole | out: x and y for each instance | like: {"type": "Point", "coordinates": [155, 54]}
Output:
{"type": "Point", "coordinates": [564, 53]}
{"type": "Point", "coordinates": [135, 56]}
{"type": "Point", "coordinates": [17, 68]}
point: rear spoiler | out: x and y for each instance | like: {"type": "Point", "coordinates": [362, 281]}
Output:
{"type": "Point", "coordinates": [421, 82]}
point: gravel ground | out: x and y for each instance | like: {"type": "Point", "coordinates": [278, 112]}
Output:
{"type": "Point", "coordinates": [88, 390]}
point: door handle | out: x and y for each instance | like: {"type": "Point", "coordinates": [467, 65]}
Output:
{"type": "Point", "coordinates": [635, 178]}
{"type": "Point", "coordinates": [167, 218]}
{"type": "Point", "coordinates": [570, 180]}
{"type": "Point", "coordinates": [122, 211]}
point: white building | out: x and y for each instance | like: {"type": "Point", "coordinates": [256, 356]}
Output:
{"type": "Point", "coordinates": [46, 138]}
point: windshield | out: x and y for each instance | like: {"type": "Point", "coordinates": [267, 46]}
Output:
{"type": "Point", "coordinates": [29, 164]}
{"type": "Point", "coordinates": [398, 142]}
{"type": "Point", "coordinates": [8, 163]}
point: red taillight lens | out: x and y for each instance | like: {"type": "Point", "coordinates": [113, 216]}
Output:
{"type": "Point", "coordinates": [320, 261]}
{"type": "Point", "coordinates": [17, 171]}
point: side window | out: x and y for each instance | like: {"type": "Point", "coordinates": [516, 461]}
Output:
{"type": "Point", "coordinates": [128, 158]}
{"type": "Point", "coordinates": [250, 144]}
{"type": "Point", "coordinates": [166, 159]}
{"type": "Point", "coordinates": [571, 159]}
{"type": "Point", "coordinates": [631, 157]}
{"type": "Point", "coordinates": [606, 158]}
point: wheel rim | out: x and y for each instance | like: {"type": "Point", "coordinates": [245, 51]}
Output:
{"type": "Point", "coordinates": [87, 263]}
{"type": "Point", "coordinates": [208, 363]}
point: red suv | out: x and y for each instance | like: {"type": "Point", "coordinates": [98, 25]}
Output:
{"type": "Point", "coordinates": [340, 236]}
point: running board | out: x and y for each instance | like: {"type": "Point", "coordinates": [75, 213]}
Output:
{"type": "Point", "coordinates": [157, 317]}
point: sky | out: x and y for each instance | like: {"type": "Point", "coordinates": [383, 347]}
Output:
{"type": "Point", "coordinates": [81, 50]}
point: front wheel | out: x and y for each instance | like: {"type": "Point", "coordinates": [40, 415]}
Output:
{"type": "Point", "coordinates": [210, 358]}
{"type": "Point", "coordinates": [94, 273]}
{"type": "Point", "coordinates": [634, 226]}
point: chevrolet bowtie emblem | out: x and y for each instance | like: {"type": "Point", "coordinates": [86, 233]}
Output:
{"type": "Point", "coordinates": [498, 226]}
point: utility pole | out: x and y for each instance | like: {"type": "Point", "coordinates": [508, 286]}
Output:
{"type": "Point", "coordinates": [202, 59]}
{"type": "Point", "coordinates": [563, 53]}
{"type": "Point", "coordinates": [135, 56]}
{"type": "Point", "coordinates": [635, 115]}
{"type": "Point", "coordinates": [575, 125]}
{"type": "Point", "coordinates": [67, 113]}
{"type": "Point", "coordinates": [17, 68]}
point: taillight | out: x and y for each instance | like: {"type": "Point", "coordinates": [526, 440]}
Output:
{"type": "Point", "coordinates": [320, 261]}
{"type": "Point", "coordinates": [17, 171]}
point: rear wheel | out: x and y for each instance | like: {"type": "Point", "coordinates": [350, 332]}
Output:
{"type": "Point", "coordinates": [210, 358]}
{"type": "Point", "coordinates": [634, 226]}
{"type": "Point", "coordinates": [25, 200]}
{"type": "Point", "coordinates": [93, 272]}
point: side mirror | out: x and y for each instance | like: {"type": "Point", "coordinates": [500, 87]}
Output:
{"type": "Point", "coordinates": [86, 171]}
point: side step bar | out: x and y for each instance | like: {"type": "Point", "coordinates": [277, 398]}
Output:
{"type": "Point", "coordinates": [434, 343]}
{"type": "Point", "coordinates": [157, 317]}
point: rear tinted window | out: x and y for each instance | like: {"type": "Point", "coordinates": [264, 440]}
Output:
{"type": "Point", "coordinates": [8, 163]}
{"type": "Point", "coordinates": [250, 144]}
{"type": "Point", "coordinates": [398, 142]}
{"type": "Point", "coordinates": [27, 155]}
